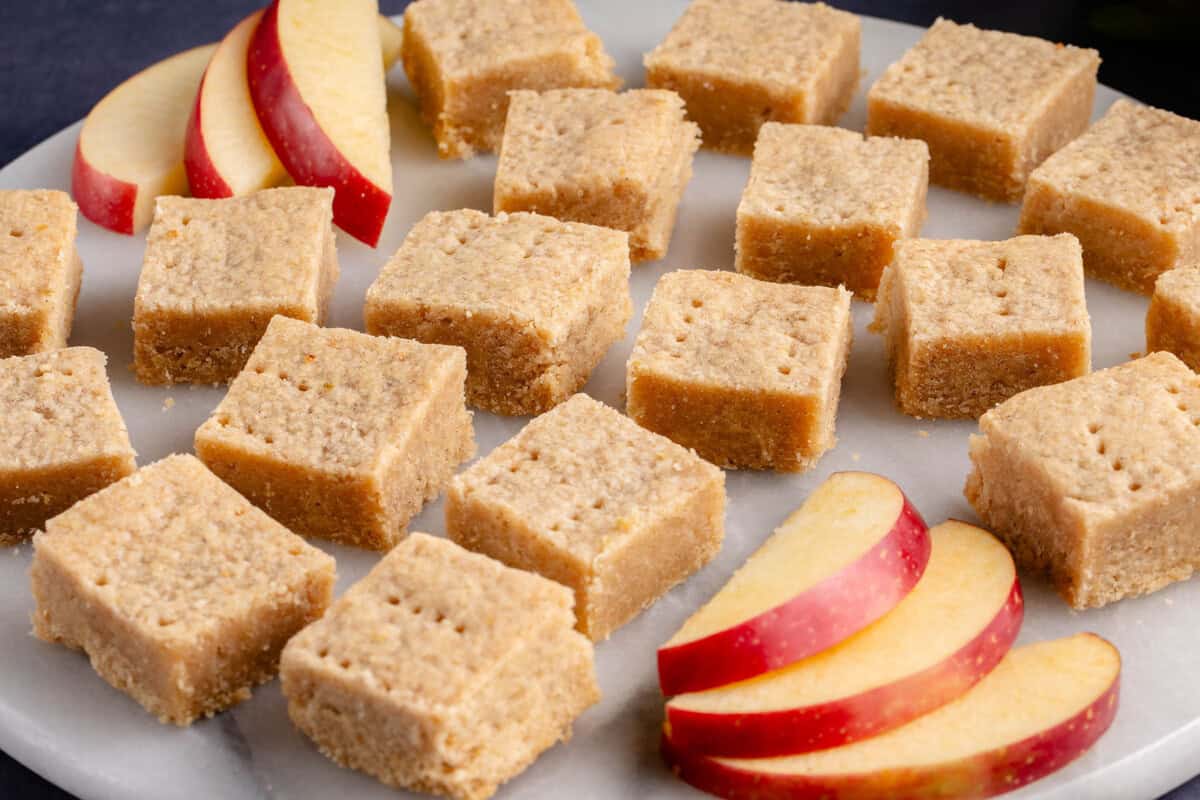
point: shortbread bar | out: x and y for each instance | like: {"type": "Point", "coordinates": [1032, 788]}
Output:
{"type": "Point", "coordinates": [40, 270]}
{"type": "Point", "coordinates": [1095, 481]}
{"type": "Point", "coordinates": [991, 105]}
{"type": "Point", "coordinates": [969, 324]}
{"type": "Point", "coordinates": [744, 372]}
{"type": "Point", "coordinates": [535, 302]}
{"type": "Point", "coordinates": [825, 207]}
{"type": "Point", "coordinates": [1173, 320]}
{"type": "Point", "coordinates": [1129, 189]}
{"type": "Point", "coordinates": [463, 57]}
{"type": "Point", "coordinates": [338, 434]}
{"type": "Point", "coordinates": [180, 592]}
{"type": "Point", "coordinates": [442, 671]}
{"type": "Point", "coordinates": [740, 63]}
{"type": "Point", "coordinates": [61, 437]}
{"type": "Point", "coordinates": [588, 155]}
{"type": "Point", "coordinates": [216, 271]}
{"type": "Point", "coordinates": [584, 496]}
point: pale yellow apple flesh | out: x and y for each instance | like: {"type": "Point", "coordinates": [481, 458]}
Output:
{"type": "Point", "coordinates": [847, 556]}
{"type": "Point", "coordinates": [227, 152]}
{"type": "Point", "coordinates": [130, 149]}
{"type": "Point", "coordinates": [955, 626]}
{"type": "Point", "coordinates": [1043, 706]}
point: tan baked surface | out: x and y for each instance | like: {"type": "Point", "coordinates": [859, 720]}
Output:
{"type": "Point", "coordinates": [1137, 408]}
{"type": "Point", "coordinates": [430, 621]}
{"type": "Point", "coordinates": [473, 36]}
{"type": "Point", "coordinates": [181, 593]}
{"type": "Point", "coordinates": [586, 497]}
{"type": "Point", "coordinates": [58, 409]}
{"type": "Point", "coordinates": [1136, 158]}
{"type": "Point", "coordinates": [264, 249]}
{"type": "Point", "coordinates": [531, 270]}
{"type": "Point", "coordinates": [771, 41]}
{"type": "Point", "coordinates": [37, 243]}
{"type": "Point", "coordinates": [534, 302]}
{"type": "Point", "coordinates": [1173, 319]}
{"type": "Point", "coordinates": [587, 137]}
{"type": "Point", "coordinates": [589, 155]}
{"type": "Point", "coordinates": [834, 177]}
{"type": "Point", "coordinates": [1093, 480]}
{"type": "Point", "coordinates": [961, 287]}
{"type": "Point", "coordinates": [39, 270]}
{"type": "Point", "coordinates": [329, 398]}
{"type": "Point", "coordinates": [585, 451]}
{"type": "Point", "coordinates": [442, 671]}
{"type": "Point", "coordinates": [739, 333]}
{"type": "Point", "coordinates": [988, 78]}
{"type": "Point", "coordinates": [178, 550]}
{"type": "Point", "coordinates": [969, 324]}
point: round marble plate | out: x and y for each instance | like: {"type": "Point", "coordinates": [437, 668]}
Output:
{"type": "Point", "coordinates": [61, 720]}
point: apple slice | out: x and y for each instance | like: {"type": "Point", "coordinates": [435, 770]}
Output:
{"type": "Point", "coordinates": [313, 70]}
{"type": "Point", "coordinates": [1042, 707]}
{"type": "Point", "coordinates": [130, 149]}
{"type": "Point", "coordinates": [889, 673]}
{"type": "Point", "coordinates": [844, 559]}
{"type": "Point", "coordinates": [226, 152]}
{"type": "Point", "coordinates": [391, 40]}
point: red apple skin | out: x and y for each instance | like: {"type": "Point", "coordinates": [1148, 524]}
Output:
{"type": "Point", "coordinates": [810, 622]}
{"type": "Point", "coordinates": [359, 206]}
{"type": "Point", "coordinates": [204, 179]}
{"type": "Point", "coordinates": [103, 199]}
{"type": "Point", "coordinates": [846, 720]}
{"type": "Point", "coordinates": [203, 176]}
{"type": "Point", "coordinates": [985, 775]}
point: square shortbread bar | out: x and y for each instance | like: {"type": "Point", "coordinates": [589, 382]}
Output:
{"type": "Point", "coordinates": [584, 496]}
{"type": "Point", "coordinates": [740, 63]}
{"type": "Point", "coordinates": [216, 271]}
{"type": "Point", "coordinates": [1129, 189]}
{"type": "Point", "coordinates": [535, 302]}
{"type": "Point", "coordinates": [824, 206]}
{"type": "Point", "coordinates": [746, 373]}
{"type": "Point", "coordinates": [181, 593]}
{"type": "Point", "coordinates": [463, 57]}
{"type": "Point", "coordinates": [61, 437]}
{"type": "Point", "coordinates": [442, 671]}
{"type": "Point", "coordinates": [338, 434]}
{"type": "Point", "coordinates": [588, 155]}
{"type": "Point", "coordinates": [40, 270]}
{"type": "Point", "coordinates": [991, 105]}
{"type": "Point", "coordinates": [969, 324]}
{"type": "Point", "coordinates": [1095, 481]}
{"type": "Point", "coordinates": [1173, 320]}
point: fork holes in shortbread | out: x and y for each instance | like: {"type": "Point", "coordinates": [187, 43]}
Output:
{"type": "Point", "coordinates": [393, 600]}
{"type": "Point", "coordinates": [16, 234]}
{"type": "Point", "coordinates": [1118, 465]}
{"type": "Point", "coordinates": [1135, 487]}
{"type": "Point", "coordinates": [697, 303]}
{"type": "Point", "coordinates": [785, 370]}
{"type": "Point", "coordinates": [1094, 427]}
{"type": "Point", "coordinates": [1102, 448]}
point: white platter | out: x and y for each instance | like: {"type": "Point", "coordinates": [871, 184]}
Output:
{"type": "Point", "coordinates": [58, 718]}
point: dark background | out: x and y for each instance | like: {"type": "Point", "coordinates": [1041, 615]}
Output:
{"type": "Point", "coordinates": [58, 57]}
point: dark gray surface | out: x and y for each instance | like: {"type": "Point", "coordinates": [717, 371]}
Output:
{"type": "Point", "coordinates": [58, 57]}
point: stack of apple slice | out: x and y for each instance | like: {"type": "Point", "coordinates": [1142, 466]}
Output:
{"type": "Point", "coordinates": [296, 88]}
{"type": "Point", "coordinates": [884, 672]}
